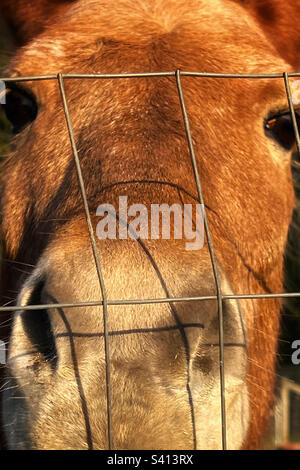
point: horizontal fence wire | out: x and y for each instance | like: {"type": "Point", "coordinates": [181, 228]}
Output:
{"type": "Point", "coordinates": [149, 74]}
{"type": "Point", "coordinates": [105, 302]}
{"type": "Point", "coordinates": [162, 300]}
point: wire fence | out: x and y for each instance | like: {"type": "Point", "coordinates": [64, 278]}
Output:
{"type": "Point", "coordinates": [220, 297]}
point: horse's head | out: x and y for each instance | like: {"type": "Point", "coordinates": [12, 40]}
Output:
{"type": "Point", "coordinates": [131, 141]}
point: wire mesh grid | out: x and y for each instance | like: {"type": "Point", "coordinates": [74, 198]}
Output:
{"type": "Point", "coordinates": [105, 302]}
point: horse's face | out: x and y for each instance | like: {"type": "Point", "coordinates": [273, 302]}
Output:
{"type": "Point", "coordinates": [131, 139]}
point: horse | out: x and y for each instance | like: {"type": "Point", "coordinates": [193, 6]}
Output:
{"type": "Point", "coordinates": [123, 348]}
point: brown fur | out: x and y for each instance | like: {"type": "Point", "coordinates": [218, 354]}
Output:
{"type": "Point", "coordinates": [128, 130]}
{"type": "Point", "coordinates": [30, 18]}
{"type": "Point", "coordinates": [279, 21]}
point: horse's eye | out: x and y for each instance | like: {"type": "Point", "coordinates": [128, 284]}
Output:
{"type": "Point", "coordinates": [20, 108]}
{"type": "Point", "coordinates": [281, 129]}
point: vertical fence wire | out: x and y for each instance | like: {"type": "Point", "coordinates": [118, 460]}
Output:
{"type": "Point", "coordinates": [212, 256]}
{"type": "Point", "coordinates": [95, 255]}
{"type": "Point", "coordinates": [292, 110]}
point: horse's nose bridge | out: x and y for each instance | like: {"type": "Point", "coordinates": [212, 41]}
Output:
{"type": "Point", "coordinates": [137, 289]}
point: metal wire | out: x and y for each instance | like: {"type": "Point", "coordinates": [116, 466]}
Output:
{"type": "Point", "coordinates": [105, 302]}
{"type": "Point", "coordinates": [211, 252]}
{"type": "Point", "coordinates": [95, 254]}
{"type": "Point", "coordinates": [281, 295]}
{"type": "Point", "coordinates": [145, 75]}
{"type": "Point", "coordinates": [292, 110]}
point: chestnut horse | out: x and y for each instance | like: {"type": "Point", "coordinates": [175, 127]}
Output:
{"type": "Point", "coordinates": [131, 139]}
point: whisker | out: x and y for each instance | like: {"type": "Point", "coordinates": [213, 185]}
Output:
{"type": "Point", "coordinates": [264, 333]}
{"type": "Point", "coordinates": [4, 389]}
{"type": "Point", "coordinates": [4, 323]}
{"type": "Point", "coordinates": [264, 368]}
{"type": "Point", "coordinates": [8, 302]}
{"type": "Point", "coordinates": [18, 262]}
{"type": "Point", "coordinates": [21, 270]}
{"type": "Point", "coordinates": [256, 385]}
{"type": "Point", "coordinates": [56, 220]}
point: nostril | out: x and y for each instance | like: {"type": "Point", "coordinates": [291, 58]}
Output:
{"type": "Point", "coordinates": [37, 323]}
